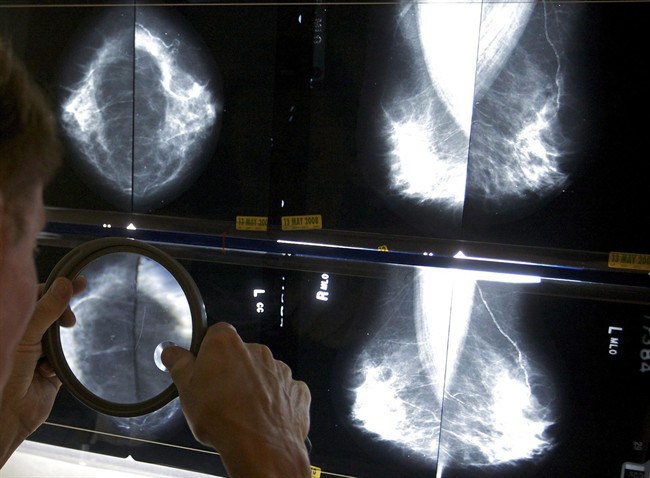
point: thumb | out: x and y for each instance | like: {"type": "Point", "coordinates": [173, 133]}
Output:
{"type": "Point", "coordinates": [179, 362]}
{"type": "Point", "coordinates": [48, 309]}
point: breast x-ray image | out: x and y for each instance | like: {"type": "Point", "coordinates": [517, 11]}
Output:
{"type": "Point", "coordinates": [480, 374]}
{"type": "Point", "coordinates": [142, 106]}
{"type": "Point", "coordinates": [497, 119]}
{"type": "Point", "coordinates": [490, 112]}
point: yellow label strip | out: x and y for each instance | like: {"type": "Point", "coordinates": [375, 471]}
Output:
{"type": "Point", "coordinates": [300, 223]}
{"type": "Point", "coordinates": [315, 472]}
{"type": "Point", "coordinates": [626, 260]}
{"type": "Point", "coordinates": [251, 223]}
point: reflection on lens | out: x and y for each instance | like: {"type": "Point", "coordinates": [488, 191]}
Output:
{"type": "Point", "coordinates": [130, 306]}
{"type": "Point", "coordinates": [157, 355]}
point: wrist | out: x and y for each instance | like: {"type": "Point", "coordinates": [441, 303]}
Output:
{"type": "Point", "coordinates": [252, 457]}
{"type": "Point", "coordinates": [11, 436]}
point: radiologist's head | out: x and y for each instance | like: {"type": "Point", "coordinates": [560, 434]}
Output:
{"type": "Point", "coordinates": [29, 155]}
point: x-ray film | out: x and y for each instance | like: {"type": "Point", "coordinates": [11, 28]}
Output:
{"type": "Point", "coordinates": [518, 123]}
{"type": "Point", "coordinates": [496, 121]}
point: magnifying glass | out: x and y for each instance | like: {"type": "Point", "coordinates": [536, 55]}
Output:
{"type": "Point", "coordinates": [138, 300]}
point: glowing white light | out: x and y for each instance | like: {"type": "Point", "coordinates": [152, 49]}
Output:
{"type": "Point", "coordinates": [503, 277]}
{"type": "Point", "coordinates": [319, 244]}
{"type": "Point", "coordinates": [131, 227]}
{"type": "Point", "coordinates": [461, 255]}
{"type": "Point", "coordinates": [496, 276]}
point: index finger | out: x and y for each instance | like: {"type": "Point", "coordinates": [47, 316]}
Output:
{"type": "Point", "coordinates": [223, 340]}
{"type": "Point", "coordinates": [222, 331]}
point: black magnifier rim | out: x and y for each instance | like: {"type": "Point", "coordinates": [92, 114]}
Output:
{"type": "Point", "coordinates": [70, 266]}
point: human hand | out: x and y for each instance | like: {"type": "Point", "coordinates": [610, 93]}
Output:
{"type": "Point", "coordinates": [32, 386]}
{"type": "Point", "coordinates": [243, 403]}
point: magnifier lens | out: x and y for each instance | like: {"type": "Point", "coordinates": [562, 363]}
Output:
{"type": "Point", "coordinates": [130, 305]}
{"type": "Point", "coordinates": [132, 309]}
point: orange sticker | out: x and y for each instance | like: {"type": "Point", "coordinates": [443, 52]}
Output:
{"type": "Point", "coordinates": [251, 223]}
{"type": "Point", "coordinates": [626, 260]}
{"type": "Point", "coordinates": [300, 223]}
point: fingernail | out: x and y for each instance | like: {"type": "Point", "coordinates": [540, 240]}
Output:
{"type": "Point", "coordinates": [60, 288]}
